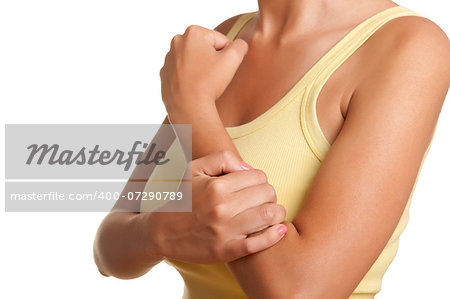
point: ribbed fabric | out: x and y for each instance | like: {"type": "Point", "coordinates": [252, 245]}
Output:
{"type": "Point", "coordinates": [286, 142]}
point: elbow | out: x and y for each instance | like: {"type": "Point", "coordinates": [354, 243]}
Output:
{"type": "Point", "coordinates": [295, 285]}
{"type": "Point", "coordinates": [100, 268]}
{"type": "Point", "coordinates": [107, 264]}
{"type": "Point", "coordinates": [98, 256]}
{"type": "Point", "coordinates": [115, 252]}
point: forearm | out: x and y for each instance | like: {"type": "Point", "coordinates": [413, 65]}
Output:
{"type": "Point", "coordinates": [274, 272]}
{"type": "Point", "coordinates": [124, 245]}
{"type": "Point", "coordinates": [208, 132]}
{"type": "Point", "coordinates": [266, 267]}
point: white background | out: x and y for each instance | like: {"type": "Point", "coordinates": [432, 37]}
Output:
{"type": "Point", "coordinates": [98, 62]}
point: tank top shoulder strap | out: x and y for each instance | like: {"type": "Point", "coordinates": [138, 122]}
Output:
{"type": "Point", "coordinates": [357, 36]}
{"type": "Point", "coordinates": [240, 22]}
{"type": "Point", "coordinates": [316, 78]}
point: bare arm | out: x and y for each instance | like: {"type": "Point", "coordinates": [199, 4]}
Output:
{"type": "Point", "coordinates": [226, 208]}
{"type": "Point", "coordinates": [345, 224]}
{"type": "Point", "coordinates": [129, 244]}
{"type": "Point", "coordinates": [121, 246]}
{"type": "Point", "coordinates": [208, 133]}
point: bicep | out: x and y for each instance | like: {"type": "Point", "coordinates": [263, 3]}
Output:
{"type": "Point", "coordinates": [363, 184]}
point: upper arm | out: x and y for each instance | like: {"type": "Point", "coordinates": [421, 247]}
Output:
{"type": "Point", "coordinates": [364, 182]}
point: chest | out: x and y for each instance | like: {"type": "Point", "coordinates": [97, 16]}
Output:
{"type": "Point", "coordinates": [267, 74]}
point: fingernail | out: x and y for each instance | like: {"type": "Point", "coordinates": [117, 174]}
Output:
{"type": "Point", "coordinates": [282, 230]}
{"type": "Point", "coordinates": [245, 166]}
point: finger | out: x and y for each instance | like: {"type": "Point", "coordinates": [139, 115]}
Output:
{"type": "Point", "coordinates": [251, 197]}
{"type": "Point", "coordinates": [213, 37]}
{"type": "Point", "coordinates": [257, 218]}
{"type": "Point", "coordinates": [217, 163]}
{"type": "Point", "coordinates": [176, 39]}
{"type": "Point", "coordinates": [239, 180]}
{"type": "Point", "coordinates": [234, 53]}
{"type": "Point", "coordinates": [217, 39]}
{"type": "Point", "coordinates": [242, 247]}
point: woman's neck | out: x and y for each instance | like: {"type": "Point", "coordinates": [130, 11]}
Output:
{"type": "Point", "coordinates": [281, 17]}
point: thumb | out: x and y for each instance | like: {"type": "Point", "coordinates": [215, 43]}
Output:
{"type": "Point", "coordinates": [234, 52]}
{"type": "Point", "coordinates": [218, 163]}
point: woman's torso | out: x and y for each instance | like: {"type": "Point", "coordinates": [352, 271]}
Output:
{"type": "Point", "coordinates": [273, 122]}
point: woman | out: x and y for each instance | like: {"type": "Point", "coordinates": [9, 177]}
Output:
{"type": "Point", "coordinates": [336, 102]}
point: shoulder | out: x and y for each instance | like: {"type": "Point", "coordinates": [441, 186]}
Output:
{"type": "Point", "coordinates": [226, 25]}
{"type": "Point", "coordinates": [408, 50]}
{"type": "Point", "coordinates": [414, 38]}
{"type": "Point", "coordinates": [415, 33]}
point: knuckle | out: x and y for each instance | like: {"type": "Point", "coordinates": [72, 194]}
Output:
{"type": "Point", "coordinates": [283, 211]}
{"type": "Point", "coordinates": [260, 175]}
{"type": "Point", "coordinates": [226, 155]}
{"type": "Point", "coordinates": [175, 40]}
{"type": "Point", "coordinates": [269, 191]}
{"type": "Point", "coordinates": [267, 212]}
{"type": "Point", "coordinates": [279, 214]}
{"type": "Point", "coordinates": [247, 247]}
{"type": "Point", "coordinates": [215, 230]}
{"type": "Point", "coordinates": [192, 29]}
{"type": "Point", "coordinates": [218, 212]}
{"type": "Point", "coordinates": [217, 186]}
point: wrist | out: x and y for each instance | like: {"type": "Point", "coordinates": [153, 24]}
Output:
{"type": "Point", "coordinates": [203, 110]}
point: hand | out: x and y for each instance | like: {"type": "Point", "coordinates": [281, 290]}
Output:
{"type": "Point", "coordinates": [225, 210]}
{"type": "Point", "coordinates": [198, 68]}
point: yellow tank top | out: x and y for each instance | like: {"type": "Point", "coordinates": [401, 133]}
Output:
{"type": "Point", "coordinates": [286, 142]}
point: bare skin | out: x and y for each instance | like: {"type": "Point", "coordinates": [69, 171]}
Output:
{"type": "Point", "coordinates": [273, 55]}
{"type": "Point", "coordinates": [359, 98]}
{"type": "Point", "coordinates": [230, 201]}
{"type": "Point", "coordinates": [393, 87]}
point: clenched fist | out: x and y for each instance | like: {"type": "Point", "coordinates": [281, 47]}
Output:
{"type": "Point", "coordinates": [234, 213]}
{"type": "Point", "coordinates": [198, 68]}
